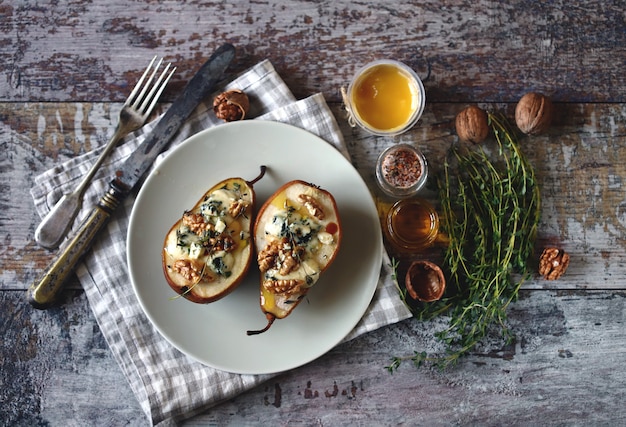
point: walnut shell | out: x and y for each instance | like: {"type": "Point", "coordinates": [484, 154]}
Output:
{"type": "Point", "coordinates": [472, 125]}
{"type": "Point", "coordinates": [425, 281]}
{"type": "Point", "coordinates": [533, 113]}
{"type": "Point", "coordinates": [553, 263]}
{"type": "Point", "coordinates": [231, 105]}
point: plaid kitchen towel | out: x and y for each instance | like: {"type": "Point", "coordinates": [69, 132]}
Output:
{"type": "Point", "coordinates": [169, 385]}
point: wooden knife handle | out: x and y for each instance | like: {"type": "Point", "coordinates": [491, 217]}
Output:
{"type": "Point", "coordinates": [44, 292]}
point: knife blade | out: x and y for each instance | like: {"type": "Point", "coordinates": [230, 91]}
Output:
{"type": "Point", "coordinates": [43, 293]}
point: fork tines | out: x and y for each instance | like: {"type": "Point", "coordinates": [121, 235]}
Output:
{"type": "Point", "coordinates": [144, 102]}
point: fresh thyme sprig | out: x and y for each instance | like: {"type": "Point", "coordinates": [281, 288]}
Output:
{"type": "Point", "coordinates": [490, 205]}
{"type": "Point", "coordinates": [395, 264]}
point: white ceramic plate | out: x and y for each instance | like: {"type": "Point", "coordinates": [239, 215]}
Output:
{"type": "Point", "coordinates": [215, 334]}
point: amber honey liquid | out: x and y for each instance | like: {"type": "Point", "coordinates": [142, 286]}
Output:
{"type": "Point", "coordinates": [385, 97]}
{"type": "Point", "coordinates": [412, 225]}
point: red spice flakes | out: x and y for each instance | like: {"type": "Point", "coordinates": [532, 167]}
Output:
{"type": "Point", "coordinates": [401, 168]}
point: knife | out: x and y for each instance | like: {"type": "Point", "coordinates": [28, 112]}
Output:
{"type": "Point", "coordinates": [43, 293]}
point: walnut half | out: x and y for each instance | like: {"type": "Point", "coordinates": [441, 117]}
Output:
{"type": "Point", "coordinates": [191, 270]}
{"type": "Point", "coordinates": [312, 205]}
{"type": "Point", "coordinates": [284, 286]}
{"type": "Point", "coordinates": [553, 263]}
{"type": "Point", "coordinates": [231, 105]}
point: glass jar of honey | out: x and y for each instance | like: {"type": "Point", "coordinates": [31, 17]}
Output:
{"type": "Point", "coordinates": [385, 97]}
{"type": "Point", "coordinates": [411, 225]}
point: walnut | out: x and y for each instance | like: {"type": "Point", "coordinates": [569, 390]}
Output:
{"type": "Point", "coordinates": [237, 208]}
{"type": "Point", "coordinates": [280, 255]}
{"type": "Point", "coordinates": [425, 281]}
{"type": "Point", "coordinates": [283, 286]}
{"type": "Point", "coordinates": [289, 259]}
{"type": "Point", "coordinates": [231, 105]}
{"type": "Point", "coordinates": [471, 124]}
{"type": "Point", "coordinates": [196, 223]}
{"type": "Point", "coordinates": [553, 263]}
{"type": "Point", "coordinates": [191, 270]}
{"type": "Point", "coordinates": [533, 113]}
{"type": "Point", "coordinates": [267, 256]}
{"type": "Point", "coordinates": [221, 243]}
{"type": "Point", "coordinates": [311, 205]}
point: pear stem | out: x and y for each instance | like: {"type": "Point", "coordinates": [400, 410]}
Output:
{"type": "Point", "coordinates": [270, 319]}
{"type": "Point", "coordinates": [258, 178]}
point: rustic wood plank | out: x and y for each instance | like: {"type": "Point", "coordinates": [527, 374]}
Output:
{"type": "Point", "coordinates": [565, 365]}
{"type": "Point", "coordinates": [557, 368]}
{"type": "Point", "coordinates": [65, 67]}
{"type": "Point", "coordinates": [550, 370]}
{"type": "Point", "coordinates": [580, 167]}
{"type": "Point", "coordinates": [34, 138]}
{"type": "Point", "coordinates": [580, 164]}
{"type": "Point", "coordinates": [482, 51]}
{"type": "Point", "coordinates": [56, 367]}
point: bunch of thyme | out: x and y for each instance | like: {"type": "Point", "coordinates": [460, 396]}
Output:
{"type": "Point", "coordinates": [490, 211]}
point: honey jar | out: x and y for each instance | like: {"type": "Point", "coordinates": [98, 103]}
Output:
{"type": "Point", "coordinates": [411, 226]}
{"type": "Point", "coordinates": [385, 97]}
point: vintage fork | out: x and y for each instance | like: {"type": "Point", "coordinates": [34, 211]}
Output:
{"type": "Point", "coordinates": [133, 115]}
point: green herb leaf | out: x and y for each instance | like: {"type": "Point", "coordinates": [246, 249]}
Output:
{"type": "Point", "coordinates": [490, 206]}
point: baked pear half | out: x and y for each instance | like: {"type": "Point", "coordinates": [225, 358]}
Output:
{"type": "Point", "coordinates": [208, 251]}
{"type": "Point", "coordinates": [297, 235]}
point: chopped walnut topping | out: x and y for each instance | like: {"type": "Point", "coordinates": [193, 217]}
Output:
{"type": "Point", "coordinates": [221, 243]}
{"type": "Point", "coordinates": [312, 205]}
{"type": "Point", "coordinates": [278, 254]}
{"type": "Point", "coordinates": [267, 256]}
{"type": "Point", "coordinates": [284, 286]}
{"type": "Point", "coordinates": [196, 222]}
{"type": "Point", "coordinates": [237, 208]}
{"type": "Point", "coordinates": [191, 270]}
{"type": "Point", "coordinates": [289, 259]}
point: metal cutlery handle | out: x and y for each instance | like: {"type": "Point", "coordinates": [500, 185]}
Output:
{"type": "Point", "coordinates": [134, 114]}
{"type": "Point", "coordinates": [43, 293]}
{"type": "Point", "coordinates": [55, 225]}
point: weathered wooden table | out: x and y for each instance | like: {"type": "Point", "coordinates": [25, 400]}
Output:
{"type": "Point", "coordinates": [65, 70]}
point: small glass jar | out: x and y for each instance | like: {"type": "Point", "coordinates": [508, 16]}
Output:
{"type": "Point", "coordinates": [401, 171]}
{"type": "Point", "coordinates": [385, 98]}
{"type": "Point", "coordinates": [411, 226]}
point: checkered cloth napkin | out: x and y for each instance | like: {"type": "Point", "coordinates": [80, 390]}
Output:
{"type": "Point", "coordinates": [169, 385]}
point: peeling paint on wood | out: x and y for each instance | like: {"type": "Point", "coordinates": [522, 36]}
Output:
{"type": "Point", "coordinates": [580, 164]}
{"type": "Point", "coordinates": [552, 327]}
{"type": "Point", "coordinates": [66, 67]}
{"type": "Point", "coordinates": [78, 51]}
{"type": "Point", "coordinates": [561, 368]}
